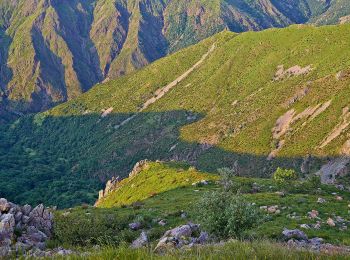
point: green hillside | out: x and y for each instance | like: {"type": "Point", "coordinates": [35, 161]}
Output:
{"type": "Point", "coordinates": [172, 194]}
{"type": "Point", "coordinates": [52, 51]}
{"type": "Point", "coordinates": [231, 104]}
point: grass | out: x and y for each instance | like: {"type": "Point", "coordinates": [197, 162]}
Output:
{"type": "Point", "coordinates": [107, 225]}
{"type": "Point", "coordinates": [156, 179]}
{"type": "Point", "coordinates": [170, 200]}
{"type": "Point", "coordinates": [231, 250]}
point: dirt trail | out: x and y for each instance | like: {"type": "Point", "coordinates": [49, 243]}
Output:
{"type": "Point", "coordinates": [162, 91]}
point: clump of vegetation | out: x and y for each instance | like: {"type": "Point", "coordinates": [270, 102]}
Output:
{"type": "Point", "coordinates": [224, 215]}
{"type": "Point", "coordinates": [284, 175]}
{"type": "Point", "coordinates": [85, 228]}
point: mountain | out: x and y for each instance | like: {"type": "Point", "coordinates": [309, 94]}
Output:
{"type": "Point", "coordinates": [250, 101]}
{"type": "Point", "coordinates": [54, 50]}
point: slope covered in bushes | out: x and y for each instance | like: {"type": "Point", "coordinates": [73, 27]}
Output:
{"type": "Point", "coordinates": [256, 101]}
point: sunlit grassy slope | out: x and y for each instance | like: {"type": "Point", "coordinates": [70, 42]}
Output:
{"type": "Point", "coordinates": [165, 191]}
{"type": "Point", "coordinates": [222, 114]}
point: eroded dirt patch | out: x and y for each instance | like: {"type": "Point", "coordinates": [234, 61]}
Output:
{"type": "Point", "coordinates": [296, 70]}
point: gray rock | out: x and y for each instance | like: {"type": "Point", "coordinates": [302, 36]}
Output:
{"type": "Point", "coordinates": [18, 216]}
{"type": "Point", "coordinates": [162, 223]}
{"type": "Point", "coordinates": [5, 251]}
{"type": "Point", "coordinates": [26, 209]}
{"type": "Point", "coordinates": [141, 241]}
{"type": "Point", "coordinates": [181, 236]}
{"type": "Point", "coordinates": [4, 205]}
{"type": "Point", "coordinates": [7, 224]}
{"type": "Point", "coordinates": [294, 234]}
{"type": "Point", "coordinates": [135, 226]}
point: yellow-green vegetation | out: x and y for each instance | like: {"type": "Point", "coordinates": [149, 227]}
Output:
{"type": "Point", "coordinates": [108, 224]}
{"type": "Point", "coordinates": [238, 109]}
{"type": "Point", "coordinates": [154, 179]}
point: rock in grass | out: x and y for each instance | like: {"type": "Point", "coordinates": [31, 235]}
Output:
{"type": "Point", "coordinates": [181, 236]}
{"type": "Point", "coordinates": [305, 226]}
{"type": "Point", "coordinates": [135, 226]}
{"type": "Point", "coordinates": [313, 214]}
{"type": "Point", "coordinates": [331, 222]}
{"type": "Point", "coordinates": [321, 200]}
{"type": "Point", "coordinates": [141, 241]}
{"type": "Point", "coordinates": [294, 234]}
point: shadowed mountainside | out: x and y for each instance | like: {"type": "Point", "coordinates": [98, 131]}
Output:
{"type": "Point", "coordinates": [258, 100]}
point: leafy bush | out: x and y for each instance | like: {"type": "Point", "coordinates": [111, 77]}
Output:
{"type": "Point", "coordinates": [85, 228]}
{"type": "Point", "coordinates": [224, 215]}
{"type": "Point", "coordinates": [283, 175]}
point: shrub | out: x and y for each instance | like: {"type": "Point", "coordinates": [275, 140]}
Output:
{"type": "Point", "coordinates": [284, 175]}
{"type": "Point", "coordinates": [81, 229]}
{"type": "Point", "coordinates": [224, 215]}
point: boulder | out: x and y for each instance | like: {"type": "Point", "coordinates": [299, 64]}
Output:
{"type": "Point", "coordinates": [178, 237]}
{"type": "Point", "coordinates": [35, 227]}
{"type": "Point", "coordinates": [4, 205]}
{"type": "Point", "coordinates": [313, 214]}
{"type": "Point", "coordinates": [331, 222]}
{"type": "Point", "coordinates": [7, 225]}
{"type": "Point", "coordinates": [135, 226]}
{"type": "Point", "coordinates": [294, 234]}
{"type": "Point", "coordinates": [141, 241]}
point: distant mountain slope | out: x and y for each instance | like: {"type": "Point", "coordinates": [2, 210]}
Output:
{"type": "Point", "coordinates": [54, 50]}
{"type": "Point", "coordinates": [250, 101]}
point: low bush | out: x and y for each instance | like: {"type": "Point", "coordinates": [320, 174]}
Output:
{"type": "Point", "coordinates": [85, 229]}
{"type": "Point", "coordinates": [225, 215]}
{"type": "Point", "coordinates": [284, 175]}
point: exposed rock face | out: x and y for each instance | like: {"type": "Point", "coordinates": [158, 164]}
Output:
{"type": "Point", "coordinates": [113, 183]}
{"type": "Point", "coordinates": [181, 236]}
{"type": "Point", "coordinates": [23, 228]}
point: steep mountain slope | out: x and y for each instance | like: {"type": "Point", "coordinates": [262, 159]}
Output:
{"type": "Point", "coordinates": [250, 101]}
{"type": "Point", "coordinates": [52, 51]}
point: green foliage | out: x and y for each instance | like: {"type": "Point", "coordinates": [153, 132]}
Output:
{"type": "Point", "coordinates": [284, 175]}
{"type": "Point", "coordinates": [75, 145]}
{"type": "Point", "coordinates": [224, 215]}
{"type": "Point", "coordinates": [86, 229]}
{"type": "Point", "coordinates": [300, 198]}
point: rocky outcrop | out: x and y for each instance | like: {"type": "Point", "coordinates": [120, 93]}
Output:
{"type": "Point", "coordinates": [185, 235]}
{"type": "Point", "coordinates": [298, 239]}
{"type": "Point", "coordinates": [113, 184]}
{"type": "Point", "coordinates": [23, 228]}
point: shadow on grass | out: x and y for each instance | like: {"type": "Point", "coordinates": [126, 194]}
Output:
{"type": "Point", "coordinates": [64, 161]}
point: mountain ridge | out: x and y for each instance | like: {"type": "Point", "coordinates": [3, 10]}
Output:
{"type": "Point", "coordinates": [55, 50]}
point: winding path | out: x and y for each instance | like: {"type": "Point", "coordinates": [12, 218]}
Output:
{"type": "Point", "coordinates": [162, 91]}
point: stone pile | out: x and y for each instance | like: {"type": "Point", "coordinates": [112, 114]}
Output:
{"type": "Point", "coordinates": [298, 239]}
{"type": "Point", "coordinates": [182, 236]}
{"type": "Point", "coordinates": [23, 228]}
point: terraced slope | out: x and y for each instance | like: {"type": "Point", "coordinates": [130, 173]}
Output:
{"type": "Point", "coordinates": [257, 101]}
{"type": "Point", "coordinates": [52, 51]}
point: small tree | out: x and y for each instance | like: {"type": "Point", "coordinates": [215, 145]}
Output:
{"type": "Point", "coordinates": [283, 175]}
{"type": "Point", "coordinates": [224, 215]}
